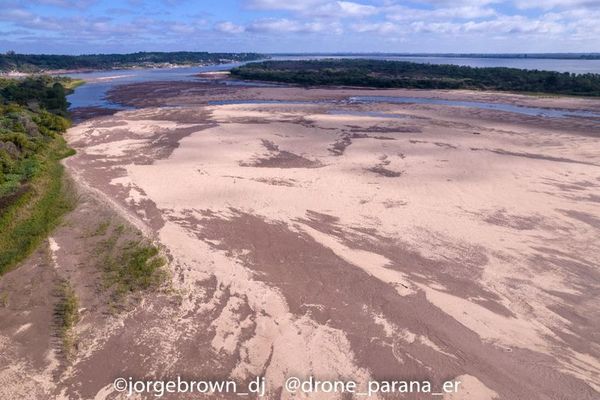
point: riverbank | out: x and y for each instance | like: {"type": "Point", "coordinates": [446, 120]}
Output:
{"type": "Point", "coordinates": [44, 63]}
{"type": "Point", "coordinates": [351, 240]}
{"type": "Point", "coordinates": [32, 194]}
{"type": "Point", "coordinates": [63, 250]}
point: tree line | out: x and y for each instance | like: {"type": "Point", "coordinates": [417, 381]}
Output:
{"type": "Point", "coordinates": [402, 74]}
{"type": "Point", "coordinates": [11, 61]}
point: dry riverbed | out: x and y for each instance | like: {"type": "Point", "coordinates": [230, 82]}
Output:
{"type": "Point", "coordinates": [351, 241]}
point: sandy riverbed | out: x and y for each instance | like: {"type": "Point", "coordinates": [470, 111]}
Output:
{"type": "Point", "coordinates": [414, 241]}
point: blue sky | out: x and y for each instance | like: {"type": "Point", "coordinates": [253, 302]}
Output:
{"type": "Point", "coordinates": [95, 26]}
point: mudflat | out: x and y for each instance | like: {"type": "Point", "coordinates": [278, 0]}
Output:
{"type": "Point", "coordinates": [319, 237]}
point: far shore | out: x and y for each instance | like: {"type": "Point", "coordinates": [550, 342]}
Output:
{"type": "Point", "coordinates": [16, 74]}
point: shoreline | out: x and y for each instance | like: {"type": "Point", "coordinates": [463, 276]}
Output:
{"type": "Point", "coordinates": [433, 171]}
{"type": "Point", "coordinates": [120, 68]}
{"type": "Point", "coordinates": [130, 94]}
{"type": "Point", "coordinates": [410, 239]}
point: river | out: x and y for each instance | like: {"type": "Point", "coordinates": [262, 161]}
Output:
{"type": "Point", "coordinates": [93, 93]}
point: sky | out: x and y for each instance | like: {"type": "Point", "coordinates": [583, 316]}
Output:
{"type": "Point", "coordinates": [423, 26]}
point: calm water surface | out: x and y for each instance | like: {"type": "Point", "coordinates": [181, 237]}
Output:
{"type": "Point", "coordinates": [93, 93]}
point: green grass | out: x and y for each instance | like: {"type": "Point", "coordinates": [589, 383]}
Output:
{"type": "Point", "coordinates": [66, 314]}
{"type": "Point", "coordinates": [25, 223]}
{"type": "Point", "coordinates": [71, 84]}
{"type": "Point", "coordinates": [129, 265]}
{"type": "Point", "coordinates": [101, 229]}
{"type": "Point", "coordinates": [139, 267]}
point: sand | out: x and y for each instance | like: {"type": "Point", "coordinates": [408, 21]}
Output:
{"type": "Point", "coordinates": [390, 241]}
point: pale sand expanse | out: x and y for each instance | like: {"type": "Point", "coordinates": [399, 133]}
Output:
{"type": "Point", "coordinates": [438, 243]}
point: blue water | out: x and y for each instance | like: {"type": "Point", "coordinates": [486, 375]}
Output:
{"type": "Point", "coordinates": [534, 111]}
{"type": "Point", "coordinates": [93, 93]}
{"type": "Point", "coordinates": [377, 114]}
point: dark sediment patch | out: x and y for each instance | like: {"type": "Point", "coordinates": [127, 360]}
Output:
{"type": "Point", "coordinates": [584, 217]}
{"type": "Point", "coordinates": [438, 144]}
{"type": "Point", "coordinates": [302, 270]}
{"type": "Point", "coordinates": [581, 307]}
{"type": "Point", "coordinates": [383, 171]}
{"type": "Point", "coordinates": [384, 129]}
{"type": "Point", "coordinates": [277, 181]}
{"type": "Point", "coordinates": [445, 145]}
{"type": "Point", "coordinates": [163, 93]}
{"type": "Point", "coordinates": [460, 276]}
{"type": "Point", "coordinates": [534, 156]}
{"type": "Point", "coordinates": [394, 203]}
{"type": "Point", "coordinates": [280, 159]}
{"type": "Point", "coordinates": [382, 137]}
{"type": "Point", "coordinates": [339, 146]}
{"type": "Point", "coordinates": [592, 197]}
{"type": "Point", "coordinates": [522, 223]}
{"type": "Point", "coordinates": [80, 114]}
{"type": "Point", "coordinates": [283, 159]}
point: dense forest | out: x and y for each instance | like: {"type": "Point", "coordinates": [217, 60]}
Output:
{"type": "Point", "coordinates": [400, 74]}
{"type": "Point", "coordinates": [11, 61]}
{"type": "Point", "coordinates": [33, 116]}
{"type": "Point", "coordinates": [535, 56]}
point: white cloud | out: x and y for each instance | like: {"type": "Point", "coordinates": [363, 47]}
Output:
{"type": "Point", "coordinates": [309, 24]}
{"type": "Point", "coordinates": [15, 14]}
{"type": "Point", "coordinates": [229, 27]}
{"type": "Point", "coordinates": [562, 4]}
{"type": "Point", "coordinates": [272, 25]}
{"type": "Point", "coordinates": [401, 13]}
{"type": "Point", "coordinates": [514, 24]}
{"type": "Point", "coordinates": [351, 9]}
{"type": "Point", "coordinates": [81, 4]}
{"type": "Point", "coordinates": [317, 8]}
{"type": "Point", "coordinates": [501, 26]}
{"type": "Point", "coordinates": [382, 28]}
{"type": "Point", "coordinates": [289, 5]}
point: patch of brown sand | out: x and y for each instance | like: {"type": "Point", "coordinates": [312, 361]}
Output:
{"type": "Point", "coordinates": [323, 277]}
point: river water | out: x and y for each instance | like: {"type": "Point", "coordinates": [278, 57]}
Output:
{"type": "Point", "coordinates": [93, 93]}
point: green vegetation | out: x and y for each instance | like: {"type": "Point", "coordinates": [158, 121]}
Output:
{"type": "Point", "coordinates": [546, 56]}
{"type": "Point", "coordinates": [129, 265]}
{"type": "Point", "coordinates": [32, 192]}
{"type": "Point", "coordinates": [66, 315]}
{"type": "Point", "coordinates": [45, 62]}
{"type": "Point", "coordinates": [400, 74]}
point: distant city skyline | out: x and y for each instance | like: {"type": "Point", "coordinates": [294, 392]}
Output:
{"type": "Point", "coordinates": [275, 26]}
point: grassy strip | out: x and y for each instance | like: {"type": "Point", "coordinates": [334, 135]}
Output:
{"type": "Point", "coordinates": [66, 314]}
{"type": "Point", "coordinates": [71, 84]}
{"type": "Point", "coordinates": [130, 263]}
{"type": "Point", "coordinates": [28, 221]}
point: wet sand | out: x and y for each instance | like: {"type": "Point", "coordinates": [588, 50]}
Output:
{"type": "Point", "coordinates": [390, 241]}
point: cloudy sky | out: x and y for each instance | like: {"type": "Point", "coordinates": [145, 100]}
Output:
{"type": "Point", "coordinates": [88, 26]}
